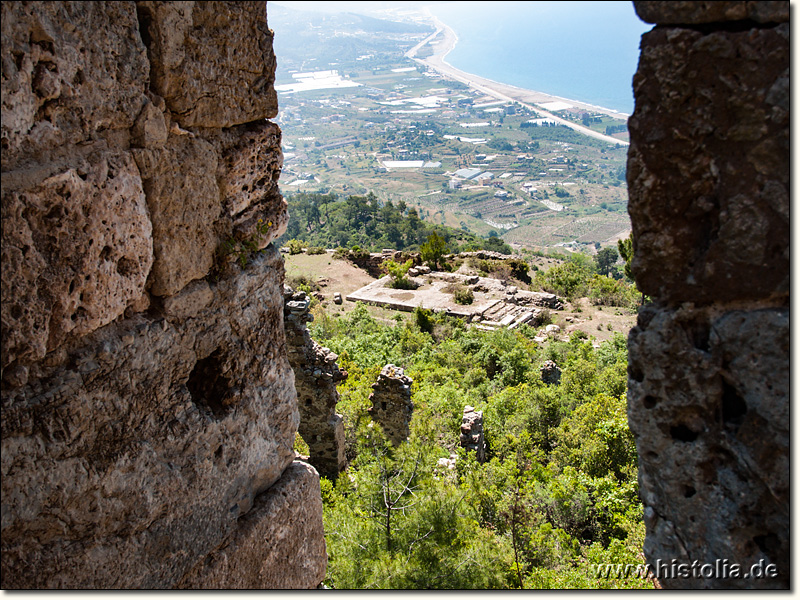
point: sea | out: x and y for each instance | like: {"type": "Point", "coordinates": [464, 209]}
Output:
{"type": "Point", "coordinates": [586, 51]}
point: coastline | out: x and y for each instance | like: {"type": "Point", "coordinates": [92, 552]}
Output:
{"type": "Point", "coordinates": [502, 91]}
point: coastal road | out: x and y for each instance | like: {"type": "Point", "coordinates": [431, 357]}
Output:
{"type": "Point", "coordinates": [501, 91]}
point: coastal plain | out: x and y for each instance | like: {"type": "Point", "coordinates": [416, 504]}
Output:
{"type": "Point", "coordinates": [385, 113]}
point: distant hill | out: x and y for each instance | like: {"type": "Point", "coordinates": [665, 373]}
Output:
{"type": "Point", "coordinates": [306, 39]}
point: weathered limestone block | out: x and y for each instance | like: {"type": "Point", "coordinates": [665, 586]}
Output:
{"type": "Point", "coordinates": [471, 437]}
{"type": "Point", "coordinates": [184, 202]}
{"type": "Point", "coordinates": [193, 46]}
{"type": "Point", "coordinates": [250, 165]}
{"type": "Point", "coordinates": [77, 249]}
{"type": "Point", "coordinates": [286, 523]}
{"type": "Point", "coordinates": [131, 455]}
{"type": "Point", "coordinates": [62, 82]}
{"type": "Point", "coordinates": [392, 406]}
{"type": "Point", "coordinates": [708, 373]}
{"type": "Point", "coordinates": [678, 12]}
{"type": "Point", "coordinates": [316, 375]}
{"type": "Point", "coordinates": [708, 168]}
{"type": "Point", "coordinates": [708, 404]}
{"type": "Point", "coordinates": [150, 129]}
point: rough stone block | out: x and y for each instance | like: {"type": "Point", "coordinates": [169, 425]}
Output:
{"type": "Point", "coordinates": [62, 82]}
{"type": "Point", "coordinates": [189, 301]}
{"type": "Point", "coordinates": [150, 128]}
{"type": "Point", "coordinates": [132, 456]}
{"type": "Point", "coordinates": [708, 403]}
{"type": "Point", "coordinates": [279, 544]}
{"type": "Point", "coordinates": [249, 169]}
{"type": "Point", "coordinates": [193, 46]}
{"type": "Point", "coordinates": [184, 202]}
{"type": "Point", "coordinates": [77, 250]}
{"type": "Point", "coordinates": [697, 13]}
{"type": "Point", "coordinates": [708, 169]}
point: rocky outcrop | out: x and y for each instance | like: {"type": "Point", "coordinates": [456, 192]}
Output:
{"type": "Point", "coordinates": [148, 406]}
{"type": "Point", "coordinates": [316, 375]}
{"type": "Point", "coordinates": [471, 437]}
{"type": "Point", "coordinates": [392, 406]}
{"type": "Point", "coordinates": [708, 390]}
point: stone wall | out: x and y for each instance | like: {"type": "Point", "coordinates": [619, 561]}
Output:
{"type": "Point", "coordinates": [471, 436]}
{"type": "Point", "coordinates": [148, 406]}
{"type": "Point", "coordinates": [708, 173]}
{"type": "Point", "coordinates": [392, 406]}
{"type": "Point", "coordinates": [316, 375]}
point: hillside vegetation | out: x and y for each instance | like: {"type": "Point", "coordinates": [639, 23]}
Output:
{"type": "Point", "coordinates": [557, 493]}
{"type": "Point", "coordinates": [326, 221]}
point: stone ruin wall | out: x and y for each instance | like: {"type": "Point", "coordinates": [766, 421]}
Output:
{"type": "Point", "coordinates": [708, 174]}
{"type": "Point", "coordinates": [392, 407]}
{"type": "Point", "coordinates": [316, 376]}
{"type": "Point", "coordinates": [148, 409]}
{"type": "Point", "coordinates": [471, 433]}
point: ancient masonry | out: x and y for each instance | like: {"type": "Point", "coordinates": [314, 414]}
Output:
{"type": "Point", "coordinates": [551, 373]}
{"type": "Point", "coordinates": [148, 409]}
{"type": "Point", "coordinates": [496, 304]}
{"type": "Point", "coordinates": [471, 437]}
{"type": "Point", "coordinates": [391, 401]}
{"type": "Point", "coordinates": [316, 375]}
{"type": "Point", "coordinates": [708, 388]}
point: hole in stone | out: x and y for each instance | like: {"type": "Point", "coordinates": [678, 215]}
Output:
{"type": "Point", "coordinates": [682, 433]}
{"type": "Point", "coordinates": [734, 408]}
{"type": "Point", "coordinates": [105, 253]}
{"type": "Point", "coordinates": [689, 491]}
{"type": "Point", "coordinates": [769, 544]}
{"type": "Point", "coordinates": [126, 267]}
{"type": "Point", "coordinates": [57, 213]}
{"type": "Point", "coordinates": [72, 286]}
{"type": "Point", "coordinates": [208, 386]}
{"type": "Point", "coordinates": [700, 332]}
{"type": "Point", "coordinates": [650, 401]}
{"type": "Point", "coordinates": [635, 373]}
{"type": "Point", "coordinates": [218, 453]}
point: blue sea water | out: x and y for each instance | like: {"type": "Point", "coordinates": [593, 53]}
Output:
{"type": "Point", "coordinates": [586, 51]}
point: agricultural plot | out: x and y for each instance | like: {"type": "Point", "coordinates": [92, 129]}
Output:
{"type": "Point", "coordinates": [341, 139]}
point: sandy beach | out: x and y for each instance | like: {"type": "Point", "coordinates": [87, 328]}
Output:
{"type": "Point", "coordinates": [509, 93]}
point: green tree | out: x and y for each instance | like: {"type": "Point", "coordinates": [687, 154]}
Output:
{"type": "Point", "coordinates": [433, 250]}
{"type": "Point", "coordinates": [625, 248]}
{"type": "Point", "coordinates": [399, 273]}
{"type": "Point", "coordinates": [605, 259]}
